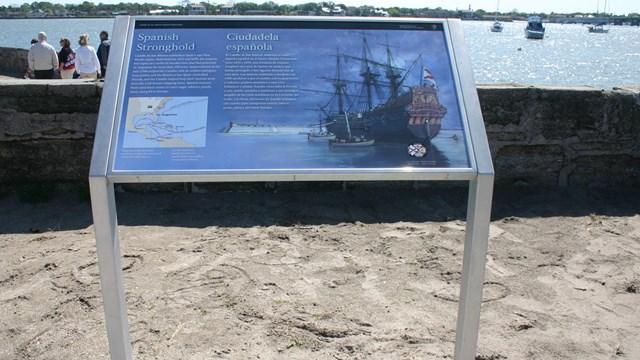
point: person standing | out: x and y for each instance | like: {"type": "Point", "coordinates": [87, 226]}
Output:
{"type": "Point", "coordinates": [87, 64]}
{"type": "Point", "coordinates": [28, 73]}
{"type": "Point", "coordinates": [103, 51]}
{"type": "Point", "coordinates": [66, 59]}
{"type": "Point", "coordinates": [42, 58]}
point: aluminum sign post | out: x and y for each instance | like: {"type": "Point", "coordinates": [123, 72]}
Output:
{"type": "Point", "coordinates": [478, 214]}
{"type": "Point", "coordinates": [103, 206]}
{"type": "Point", "coordinates": [109, 262]}
{"type": "Point", "coordinates": [473, 266]}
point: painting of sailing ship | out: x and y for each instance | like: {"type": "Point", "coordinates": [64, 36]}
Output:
{"type": "Point", "coordinates": [380, 104]}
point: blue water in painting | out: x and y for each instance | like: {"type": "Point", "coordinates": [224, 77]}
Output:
{"type": "Point", "coordinates": [296, 152]}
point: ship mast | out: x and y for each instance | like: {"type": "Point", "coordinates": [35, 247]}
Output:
{"type": "Point", "coordinates": [339, 96]}
{"type": "Point", "coordinates": [339, 85]}
{"type": "Point", "coordinates": [367, 72]}
{"type": "Point", "coordinates": [393, 74]}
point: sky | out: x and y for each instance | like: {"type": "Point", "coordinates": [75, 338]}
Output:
{"type": "Point", "coordinates": [620, 7]}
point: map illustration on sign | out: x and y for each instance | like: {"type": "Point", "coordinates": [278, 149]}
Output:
{"type": "Point", "coordinates": [166, 122]}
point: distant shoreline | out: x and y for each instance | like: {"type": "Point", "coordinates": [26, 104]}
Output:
{"type": "Point", "coordinates": [55, 17]}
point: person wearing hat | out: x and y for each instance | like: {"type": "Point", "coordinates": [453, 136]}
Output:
{"type": "Point", "coordinates": [43, 58]}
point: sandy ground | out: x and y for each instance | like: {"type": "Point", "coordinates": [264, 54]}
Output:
{"type": "Point", "coordinates": [328, 274]}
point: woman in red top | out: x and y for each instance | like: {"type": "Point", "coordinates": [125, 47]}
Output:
{"type": "Point", "coordinates": [66, 59]}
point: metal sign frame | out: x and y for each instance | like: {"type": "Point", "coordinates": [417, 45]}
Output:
{"type": "Point", "coordinates": [102, 176]}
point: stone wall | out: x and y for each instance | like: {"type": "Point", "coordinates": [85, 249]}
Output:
{"type": "Point", "coordinates": [14, 61]}
{"type": "Point", "coordinates": [563, 135]}
{"type": "Point", "coordinates": [47, 129]}
{"type": "Point", "coordinates": [538, 135]}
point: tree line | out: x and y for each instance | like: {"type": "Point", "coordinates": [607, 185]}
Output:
{"type": "Point", "coordinates": [88, 8]}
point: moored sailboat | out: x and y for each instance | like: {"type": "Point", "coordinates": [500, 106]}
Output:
{"type": "Point", "coordinates": [497, 25]}
{"type": "Point", "coordinates": [601, 27]}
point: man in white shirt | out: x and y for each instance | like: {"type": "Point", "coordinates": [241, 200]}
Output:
{"type": "Point", "coordinates": [42, 58]}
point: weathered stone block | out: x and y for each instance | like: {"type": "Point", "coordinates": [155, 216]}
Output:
{"type": "Point", "coordinates": [45, 161]}
{"type": "Point", "coordinates": [13, 60]}
{"type": "Point", "coordinates": [8, 103]}
{"type": "Point", "coordinates": [539, 164]}
{"type": "Point", "coordinates": [85, 123]}
{"type": "Point", "coordinates": [561, 113]}
{"type": "Point", "coordinates": [80, 89]}
{"type": "Point", "coordinates": [19, 124]}
{"type": "Point", "coordinates": [502, 105]}
{"type": "Point", "coordinates": [32, 90]}
{"type": "Point", "coordinates": [622, 115]}
{"type": "Point", "coordinates": [507, 136]}
{"type": "Point", "coordinates": [606, 147]}
{"type": "Point", "coordinates": [606, 170]}
{"type": "Point", "coordinates": [56, 105]}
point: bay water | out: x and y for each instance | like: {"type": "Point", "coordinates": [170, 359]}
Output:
{"type": "Point", "coordinates": [17, 33]}
{"type": "Point", "coordinates": [568, 55]}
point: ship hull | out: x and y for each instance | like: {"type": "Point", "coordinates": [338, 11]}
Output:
{"type": "Point", "coordinates": [407, 119]}
{"type": "Point", "coordinates": [351, 143]}
{"type": "Point", "coordinates": [533, 34]}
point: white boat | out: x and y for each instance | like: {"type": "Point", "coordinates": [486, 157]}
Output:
{"type": "Point", "coordinates": [321, 134]}
{"type": "Point", "coordinates": [497, 25]}
{"type": "Point", "coordinates": [599, 28]}
{"type": "Point", "coordinates": [534, 29]}
{"type": "Point", "coordinates": [317, 136]}
{"type": "Point", "coordinates": [351, 141]}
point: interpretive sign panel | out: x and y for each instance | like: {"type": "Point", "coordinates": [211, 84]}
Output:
{"type": "Point", "coordinates": [243, 94]}
{"type": "Point", "coordinates": [205, 99]}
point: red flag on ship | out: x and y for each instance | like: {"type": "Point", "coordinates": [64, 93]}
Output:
{"type": "Point", "coordinates": [427, 76]}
